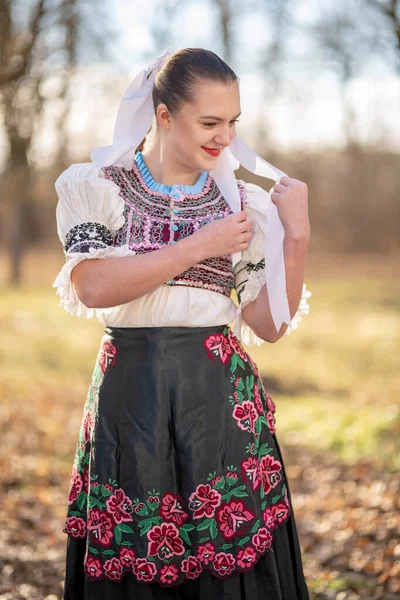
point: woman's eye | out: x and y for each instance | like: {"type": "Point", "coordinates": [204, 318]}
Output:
{"type": "Point", "coordinates": [209, 124]}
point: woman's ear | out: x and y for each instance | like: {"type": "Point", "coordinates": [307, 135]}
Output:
{"type": "Point", "coordinates": [163, 116]}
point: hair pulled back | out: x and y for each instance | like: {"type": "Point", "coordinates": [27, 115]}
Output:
{"type": "Point", "coordinates": [175, 81]}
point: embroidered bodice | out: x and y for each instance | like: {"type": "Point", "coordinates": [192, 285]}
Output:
{"type": "Point", "coordinates": [115, 212]}
{"type": "Point", "coordinates": [154, 219]}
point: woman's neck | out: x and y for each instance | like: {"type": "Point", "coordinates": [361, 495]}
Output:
{"type": "Point", "coordinates": [164, 169]}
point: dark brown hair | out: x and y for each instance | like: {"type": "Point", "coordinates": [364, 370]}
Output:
{"type": "Point", "coordinates": [175, 82]}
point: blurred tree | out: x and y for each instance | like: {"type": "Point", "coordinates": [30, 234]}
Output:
{"type": "Point", "coordinates": [390, 9]}
{"type": "Point", "coordinates": [39, 40]}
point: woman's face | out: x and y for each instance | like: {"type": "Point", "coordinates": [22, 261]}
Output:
{"type": "Point", "coordinates": [208, 123]}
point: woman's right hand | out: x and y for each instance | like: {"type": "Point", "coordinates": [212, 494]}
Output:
{"type": "Point", "coordinates": [225, 236]}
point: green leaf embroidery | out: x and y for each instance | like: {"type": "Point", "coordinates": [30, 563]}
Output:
{"type": "Point", "coordinates": [118, 535]}
{"type": "Point", "coordinates": [105, 491]}
{"type": "Point", "coordinates": [264, 450]}
{"type": "Point", "coordinates": [240, 385]}
{"type": "Point", "coordinates": [188, 553]}
{"type": "Point", "coordinates": [262, 491]}
{"type": "Point", "coordinates": [213, 529]}
{"type": "Point", "coordinates": [204, 525]}
{"type": "Point", "coordinates": [240, 362]}
{"type": "Point", "coordinates": [244, 541]}
{"type": "Point", "coordinates": [204, 539]}
{"type": "Point", "coordinates": [127, 544]}
{"type": "Point", "coordinates": [188, 527]}
{"type": "Point", "coordinates": [109, 552]}
{"type": "Point", "coordinates": [263, 505]}
{"type": "Point", "coordinates": [82, 500]}
{"type": "Point", "coordinates": [93, 551]}
{"type": "Point", "coordinates": [75, 513]}
{"type": "Point", "coordinates": [233, 363]}
{"type": "Point", "coordinates": [185, 536]}
{"type": "Point", "coordinates": [255, 526]}
{"type": "Point", "coordinates": [227, 546]}
{"type": "Point", "coordinates": [125, 528]}
{"type": "Point", "coordinates": [220, 484]}
{"type": "Point", "coordinates": [275, 499]}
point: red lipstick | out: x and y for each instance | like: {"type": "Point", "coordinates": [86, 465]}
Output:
{"type": "Point", "coordinates": [212, 151]}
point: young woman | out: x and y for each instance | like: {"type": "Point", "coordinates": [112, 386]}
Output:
{"type": "Point", "coordinates": [178, 487]}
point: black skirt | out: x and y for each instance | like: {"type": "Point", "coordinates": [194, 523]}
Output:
{"type": "Point", "coordinates": [178, 487]}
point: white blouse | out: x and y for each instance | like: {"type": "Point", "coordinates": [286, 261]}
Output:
{"type": "Point", "coordinates": [85, 195]}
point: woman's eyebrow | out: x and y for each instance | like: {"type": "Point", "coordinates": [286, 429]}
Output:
{"type": "Point", "coordinates": [217, 118]}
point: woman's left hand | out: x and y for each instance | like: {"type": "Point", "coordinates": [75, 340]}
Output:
{"type": "Point", "coordinates": [290, 197]}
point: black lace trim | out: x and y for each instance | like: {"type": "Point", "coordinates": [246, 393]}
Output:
{"type": "Point", "coordinates": [87, 235]}
{"type": "Point", "coordinates": [249, 267]}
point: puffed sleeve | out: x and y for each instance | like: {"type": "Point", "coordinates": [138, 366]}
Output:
{"type": "Point", "coordinates": [250, 273]}
{"type": "Point", "coordinates": [89, 213]}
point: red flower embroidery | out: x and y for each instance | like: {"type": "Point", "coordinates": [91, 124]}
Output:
{"type": "Point", "coordinates": [262, 540]}
{"type": "Point", "coordinates": [270, 403]}
{"type": "Point", "coordinates": [76, 527]}
{"type": "Point", "coordinates": [127, 556]}
{"type": "Point", "coordinates": [270, 472]}
{"type": "Point", "coordinates": [138, 507]}
{"type": "Point", "coordinates": [109, 487]}
{"type": "Point", "coordinates": [192, 567]}
{"type": "Point", "coordinates": [206, 553]}
{"type": "Point", "coordinates": [224, 563]}
{"type": "Point", "coordinates": [93, 568]}
{"type": "Point", "coordinates": [275, 515]}
{"type": "Point", "coordinates": [169, 574]}
{"type": "Point", "coordinates": [144, 569]}
{"type": "Point", "coordinates": [113, 569]}
{"type": "Point", "coordinates": [108, 356]}
{"type": "Point", "coordinates": [232, 518]}
{"type": "Point", "coordinates": [246, 558]}
{"type": "Point", "coordinates": [85, 479]}
{"type": "Point", "coordinates": [246, 415]}
{"type": "Point", "coordinates": [218, 347]}
{"type": "Point", "coordinates": [216, 479]}
{"type": "Point", "coordinates": [231, 476]}
{"type": "Point", "coordinates": [120, 506]}
{"type": "Point", "coordinates": [237, 346]}
{"type": "Point", "coordinates": [101, 527]}
{"type": "Point", "coordinates": [76, 485]}
{"type": "Point", "coordinates": [204, 501]}
{"type": "Point", "coordinates": [257, 400]}
{"type": "Point", "coordinates": [171, 509]}
{"type": "Point", "coordinates": [271, 422]}
{"type": "Point", "coordinates": [250, 472]}
{"type": "Point", "coordinates": [164, 541]}
{"type": "Point", "coordinates": [87, 426]}
{"type": "Point", "coordinates": [153, 500]}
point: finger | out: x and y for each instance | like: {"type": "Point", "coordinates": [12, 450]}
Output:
{"type": "Point", "coordinates": [279, 188]}
{"type": "Point", "coordinates": [284, 180]}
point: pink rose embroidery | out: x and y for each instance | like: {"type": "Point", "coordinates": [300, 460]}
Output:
{"type": "Point", "coordinates": [76, 485]}
{"type": "Point", "coordinates": [232, 518]}
{"type": "Point", "coordinates": [246, 415]}
{"type": "Point", "coordinates": [76, 527]}
{"type": "Point", "coordinates": [120, 506]}
{"type": "Point", "coordinates": [224, 564]}
{"type": "Point", "coordinates": [270, 472]}
{"type": "Point", "coordinates": [204, 501]}
{"type": "Point", "coordinates": [275, 515]}
{"type": "Point", "coordinates": [169, 574]}
{"type": "Point", "coordinates": [101, 527]}
{"type": "Point", "coordinates": [206, 553]}
{"type": "Point", "coordinates": [251, 472]}
{"type": "Point", "coordinates": [164, 541]}
{"type": "Point", "coordinates": [171, 509]}
{"type": "Point", "coordinates": [93, 568]}
{"type": "Point", "coordinates": [108, 356]}
{"type": "Point", "coordinates": [262, 540]}
{"type": "Point", "coordinates": [218, 347]}
{"type": "Point", "coordinates": [113, 569]}
{"type": "Point", "coordinates": [127, 557]}
{"type": "Point", "coordinates": [192, 567]}
{"type": "Point", "coordinates": [257, 400]}
{"type": "Point", "coordinates": [246, 558]}
{"type": "Point", "coordinates": [237, 346]}
{"type": "Point", "coordinates": [144, 569]}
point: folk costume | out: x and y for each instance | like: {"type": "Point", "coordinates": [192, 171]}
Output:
{"type": "Point", "coordinates": [178, 487]}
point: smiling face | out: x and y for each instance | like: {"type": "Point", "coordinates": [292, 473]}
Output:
{"type": "Point", "coordinates": [197, 134]}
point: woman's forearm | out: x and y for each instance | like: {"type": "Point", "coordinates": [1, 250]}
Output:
{"type": "Point", "coordinates": [106, 282]}
{"type": "Point", "coordinates": [257, 314]}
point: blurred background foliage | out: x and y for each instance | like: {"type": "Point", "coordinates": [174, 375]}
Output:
{"type": "Point", "coordinates": [336, 380]}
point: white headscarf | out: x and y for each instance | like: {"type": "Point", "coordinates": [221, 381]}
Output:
{"type": "Point", "coordinates": [134, 119]}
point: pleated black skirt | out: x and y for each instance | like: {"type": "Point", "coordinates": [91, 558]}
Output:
{"type": "Point", "coordinates": [178, 489]}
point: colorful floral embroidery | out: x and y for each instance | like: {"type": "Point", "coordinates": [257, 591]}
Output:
{"type": "Point", "coordinates": [108, 356]}
{"type": "Point", "coordinates": [225, 524]}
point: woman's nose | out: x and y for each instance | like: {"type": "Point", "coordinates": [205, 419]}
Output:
{"type": "Point", "coordinates": [223, 138]}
